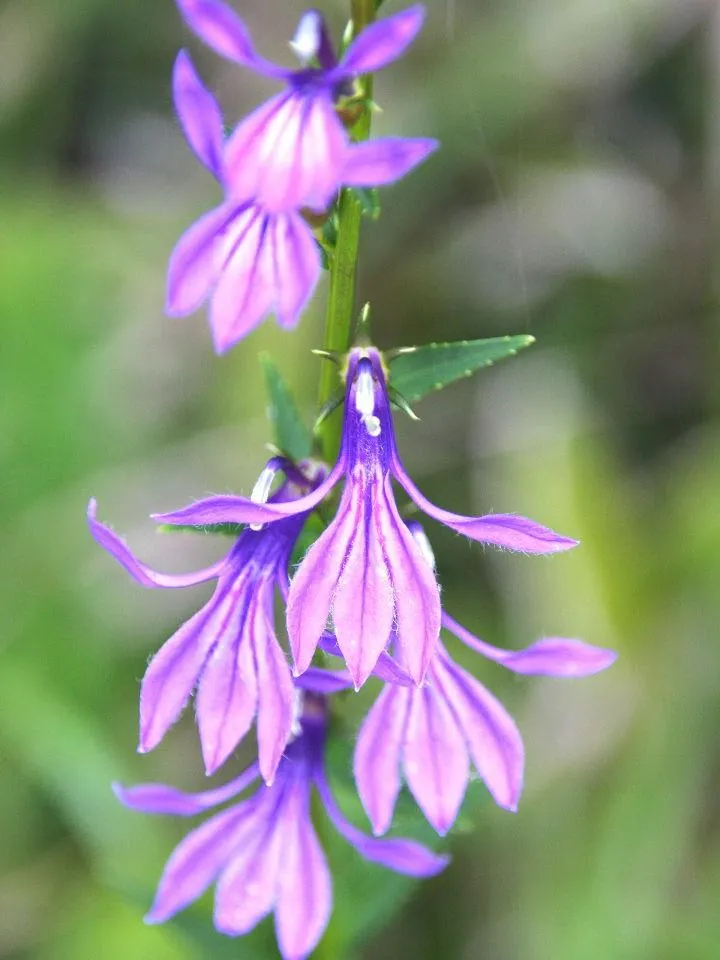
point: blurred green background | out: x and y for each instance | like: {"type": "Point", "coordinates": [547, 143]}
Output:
{"type": "Point", "coordinates": [574, 198]}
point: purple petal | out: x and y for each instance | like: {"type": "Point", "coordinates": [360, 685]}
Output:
{"type": "Point", "coordinates": [304, 900]}
{"type": "Point", "coordinates": [403, 856]}
{"type": "Point", "coordinates": [158, 798]}
{"type": "Point", "coordinates": [222, 30]}
{"type": "Point", "coordinates": [417, 598]}
{"type": "Point", "coordinates": [199, 114]}
{"type": "Point", "coordinates": [296, 260]}
{"type": "Point", "coordinates": [227, 694]}
{"type": "Point", "coordinates": [377, 756]}
{"type": "Point", "coordinates": [275, 711]}
{"type": "Point", "coordinates": [244, 147]}
{"type": "Point", "coordinates": [196, 862]}
{"type": "Point", "coordinates": [363, 602]}
{"type": "Point", "coordinates": [500, 529]}
{"type": "Point", "coordinates": [194, 265]}
{"type": "Point", "coordinates": [551, 656]}
{"type": "Point", "coordinates": [435, 758]}
{"type": "Point", "coordinates": [382, 42]}
{"type": "Point", "coordinates": [144, 575]}
{"type": "Point", "coordinates": [225, 508]}
{"type": "Point", "coordinates": [494, 742]}
{"type": "Point", "coordinates": [378, 162]}
{"type": "Point", "coordinates": [386, 669]}
{"type": "Point", "coordinates": [318, 680]}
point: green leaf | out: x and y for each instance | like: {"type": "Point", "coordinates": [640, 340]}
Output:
{"type": "Point", "coordinates": [291, 435]}
{"type": "Point", "coordinates": [421, 370]}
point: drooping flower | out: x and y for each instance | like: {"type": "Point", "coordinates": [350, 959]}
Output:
{"type": "Point", "coordinates": [366, 572]}
{"type": "Point", "coordinates": [228, 650]}
{"type": "Point", "coordinates": [250, 260]}
{"type": "Point", "coordinates": [293, 151]}
{"type": "Point", "coordinates": [434, 733]}
{"type": "Point", "coordinates": [262, 853]}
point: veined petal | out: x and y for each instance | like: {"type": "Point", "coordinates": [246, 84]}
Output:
{"type": "Point", "coordinates": [386, 669]}
{"type": "Point", "coordinates": [493, 740]}
{"type": "Point", "coordinates": [227, 695]}
{"type": "Point", "coordinates": [296, 262]}
{"type": "Point", "coordinates": [244, 147]}
{"type": "Point", "coordinates": [275, 713]}
{"type": "Point", "coordinates": [499, 529]}
{"type": "Point", "coordinates": [377, 756]}
{"type": "Point", "coordinates": [143, 574]}
{"type": "Point", "coordinates": [194, 268]}
{"type": "Point", "coordinates": [225, 508]}
{"type": "Point", "coordinates": [435, 758]}
{"type": "Point", "coordinates": [382, 42]}
{"type": "Point", "coordinates": [417, 597]}
{"type": "Point", "coordinates": [378, 162]}
{"type": "Point", "coordinates": [403, 856]}
{"type": "Point", "coordinates": [223, 30]}
{"type": "Point", "coordinates": [551, 656]}
{"type": "Point", "coordinates": [304, 900]}
{"type": "Point", "coordinates": [199, 115]}
{"type": "Point", "coordinates": [158, 798]}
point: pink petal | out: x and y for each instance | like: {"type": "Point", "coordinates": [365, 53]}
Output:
{"type": "Point", "coordinates": [383, 41]}
{"type": "Point", "coordinates": [296, 259]}
{"type": "Point", "coordinates": [245, 146]}
{"type": "Point", "coordinates": [377, 756]}
{"type": "Point", "coordinates": [275, 714]}
{"type": "Point", "coordinates": [193, 268]}
{"type": "Point", "coordinates": [378, 162]}
{"type": "Point", "coordinates": [199, 114]}
{"type": "Point", "coordinates": [159, 798]}
{"type": "Point", "coordinates": [223, 30]}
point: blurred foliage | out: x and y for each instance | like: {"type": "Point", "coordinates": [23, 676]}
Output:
{"type": "Point", "coordinates": [574, 200]}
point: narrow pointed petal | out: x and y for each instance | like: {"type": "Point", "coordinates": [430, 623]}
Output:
{"type": "Point", "coordinates": [377, 756]}
{"type": "Point", "coordinates": [304, 899]}
{"type": "Point", "coordinates": [435, 758]}
{"type": "Point", "coordinates": [199, 115]}
{"type": "Point", "coordinates": [499, 529]}
{"type": "Point", "coordinates": [223, 30]}
{"type": "Point", "coordinates": [158, 798]}
{"type": "Point", "coordinates": [225, 508]}
{"type": "Point", "coordinates": [275, 713]}
{"type": "Point", "coordinates": [313, 586]}
{"type": "Point", "coordinates": [403, 856]}
{"type": "Point", "coordinates": [493, 740]}
{"type": "Point", "coordinates": [297, 266]}
{"type": "Point", "coordinates": [227, 695]}
{"type": "Point", "coordinates": [194, 266]}
{"type": "Point", "coordinates": [363, 603]}
{"type": "Point", "coordinates": [383, 41]}
{"type": "Point", "coordinates": [195, 863]}
{"type": "Point", "coordinates": [551, 656]}
{"type": "Point", "coordinates": [417, 597]}
{"type": "Point", "coordinates": [144, 575]}
{"type": "Point", "coordinates": [386, 669]}
{"type": "Point", "coordinates": [379, 162]}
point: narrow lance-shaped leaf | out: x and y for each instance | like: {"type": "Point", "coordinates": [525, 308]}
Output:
{"type": "Point", "coordinates": [420, 370]}
{"type": "Point", "coordinates": [291, 435]}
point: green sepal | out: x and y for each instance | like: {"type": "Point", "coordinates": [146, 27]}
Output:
{"type": "Point", "coordinates": [415, 372]}
{"type": "Point", "coordinates": [291, 435]}
{"type": "Point", "coordinates": [369, 200]}
{"type": "Point", "coordinates": [226, 529]}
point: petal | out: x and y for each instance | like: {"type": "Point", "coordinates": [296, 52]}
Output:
{"type": "Point", "coordinates": [377, 756]}
{"type": "Point", "coordinates": [417, 597]}
{"type": "Point", "coordinates": [378, 162]}
{"type": "Point", "coordinates": [199, 115]}
{"type": "Point", "coordinates": [158, 798]}
{"type": "Point", "coordinates": [551, 656]}
{"type": "Point", "coordinates": [277, 697]}
{"type": "Point", "coordinates": [297, 266]}
{"type": "Point", "coordinates": [363, 604]}
{"type": "Point", "coordinates": [196, 862]}
{"type": "Point", "coordinates": [144, 575]}
{"type": "Point", "coordinates": [227, 695]}
{"type": "Point", "coordinates": [403, 856]}
{"type": "Point", "coordinates": [228, 509]}
{"type": "Point", "coordinates": [304, 899]}
{"type": "Point", "coordinates": [223, 30]}
{"type": "Point", "coordinates": [193, 267]}
{"type": "Point", "coordinates": [313, 586]}
{"type": "Point", "coordinates": [386, 669]}
{"type": "Point", "coordinates": [318, 680]}
{"type": "Point", "coordinates": [245, 145]}
{"type": "Point", "coordinates": [435, 758]}
{"type": "Point", "coordinates": [383, 41]}
{"type": "Point", "coordinates": [500, 529]}
{"type": "Point", "coordinates": [494, 742]}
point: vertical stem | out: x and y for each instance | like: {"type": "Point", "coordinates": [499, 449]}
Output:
{"type": "Point", "coordinates": [343, 266]}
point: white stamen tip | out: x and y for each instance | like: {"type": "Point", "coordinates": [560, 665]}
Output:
{"type": "Point", "coordinates": [306, 42]}
{"type": "Point", "coordinates": [372, 425]}
{"type": "Point", "coordinates": [420, 538]}
{"type": "Point", "coordinates": [261, 491]}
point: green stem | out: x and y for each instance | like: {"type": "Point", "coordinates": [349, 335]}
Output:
{"type": "Point", "coordinates": [343, 265]}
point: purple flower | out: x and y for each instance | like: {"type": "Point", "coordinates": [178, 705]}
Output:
{"type": "Point", "coordinates": [262, 853]}
{"type": "Point", "coordinates": [229, 649]}
{"type": "Point", "coordinates": [252, 261]}
{"type": "Point", "coordinates": [292, 152]}
{"type": "Point", "coordinates": [366, 572]}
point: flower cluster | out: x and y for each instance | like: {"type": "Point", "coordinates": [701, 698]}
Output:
{"type": "Point", "coordinates": [363, 599]}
